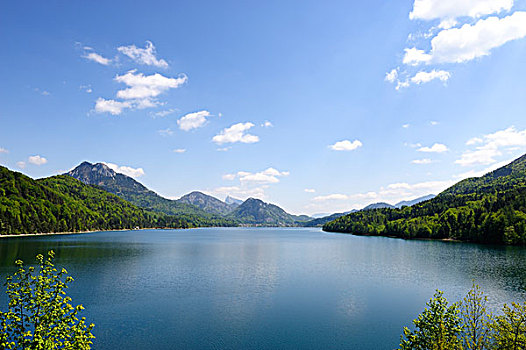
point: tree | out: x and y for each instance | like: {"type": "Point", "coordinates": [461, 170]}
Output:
{"type": "Point", "coordinates": [39, 315]}
{"type": "Point", "coordinates": [510, 328]}
{"type": "Point", "coordinates": [438, 327]}
{"type": "Point", "coordinates": [476, 333]}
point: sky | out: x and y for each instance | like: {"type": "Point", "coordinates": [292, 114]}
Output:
{"type": "Point", "coordinates": [316, 106]}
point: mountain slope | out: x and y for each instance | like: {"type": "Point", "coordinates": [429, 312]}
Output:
{"type": "Point", "coordinates": [233, 201]}
{"type": "Point", "coordinates": [207, 203]}
{"type": "Point", "coordinates": [488, 209]}
{"type": "Point", "coordinates": [414, 201]}
{"type": "Point", "coordinates": [379, 205]}
{"type": "Point", "coordinates": [131, 190]}
{"type": "Point", "coordinates": [64, 204]}
{"type": "Point", "coordinates": [256, 212]}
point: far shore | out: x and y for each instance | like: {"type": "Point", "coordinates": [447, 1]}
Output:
{"type": "Point", "coordinates": [81, 232]}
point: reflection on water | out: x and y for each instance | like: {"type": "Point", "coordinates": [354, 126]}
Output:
{"type": "Point", "coordinates": [238, 288]}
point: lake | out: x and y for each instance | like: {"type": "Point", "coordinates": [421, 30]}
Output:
{"type": "Point", "coordinates": [264, 288]}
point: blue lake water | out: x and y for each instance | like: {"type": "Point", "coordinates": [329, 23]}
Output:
{"type": "Point", "coordinates": [264, 288]}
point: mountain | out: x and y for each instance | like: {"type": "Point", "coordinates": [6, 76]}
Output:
{"type": "Point", "coordinates": [64, 204]}
{"type": "Point", "coordinates": [101, 175]}
{"type": "Point", "coordinates": [320, 221]}
{"type": "Point", "coordinates": [256, 212]}
{"type": "Point", "coordinates": [414, 201]}
{"type": "Point", "coordinates": [379, 205]}
{"type": "Point", "coordinates": [233, 201]}
{"type": "Point", "coordinates": [486, 209]}
{"type": "Point", "coordinates": [207, 203]}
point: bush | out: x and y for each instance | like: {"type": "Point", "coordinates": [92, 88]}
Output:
{"type": "Point", "coordinates": [39, 315]}
{"type": "Point", "coordinates": [466, 325]}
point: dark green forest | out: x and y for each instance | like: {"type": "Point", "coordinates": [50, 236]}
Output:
{"type": "Point", "coordinates": [487, 209]}
{"type": "Point", "coordinates": [64, 204]}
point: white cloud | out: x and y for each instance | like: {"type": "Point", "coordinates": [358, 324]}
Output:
{"type": "Point", "coordinates": [95, 57]}
{"type": "Point", "coordinates": [37, 160]}
{"type": "Point", "coordinates": [422, 161]}
{"type": "Point", "coordinates": [236, 133]}
{"type": "Point", "coordinates": [126, 170]}
{"type": "Point", "coordinates": [86, 88]}
{"type": "Point", "coordinates": [144, 87]}
{"type": "Point", "coordinates": [21, 164]}
{"type": "Point", "coordinates": [179, 150]}
{"type": "Point", "coordinates": [239, 192]}
{"type": "Point", "coordinates": [405, 126]}
{"type": "Point", "coordinates": [229, 177]}
{"type": "Point", "coordinates": [425, 77]}
{"type": "Point", "coordinates": [436, 148]}
{"type": "Point", "coordinates": [391, 76]}
{"type": "Point", "coordinates": [451, 9]}
{"type": "Point", "coordinates": [413, 145]}
{"type": "Point", "coordinates": [415, 56]}
{"type": "Point", "coordinates": [470, 41]}
{"type": "Point", "coordinates": [223, 149]}
{"type": "Point", "coordinates": [402, 84]}
{"type": "Point", "coordinates": [310, 190]}
{"type": "Point", "coordinates": [111, 106]}
{"type": "Point", "coordinates": [250, 184]}
{"type": "Point", "coordinates": [3, 150]}
{"type": "Point", "coordinates": [267, 124]}
{"type": "Point", "coordinates": [491, 146]}
{"type": "Point", "coordinates": [346, 145]}
{"type": "Point", "coordinates": [193, 120]}
{"type": "Point", "coordinates": [143, 56]}
{"type": "Point", "coordinates": [166, 132]}
{"type": "Point", "coordinates": [433, 122]}
{"type": "Point", "coordinates": [164, 113]}
{"type": "Point", "coordinates": [268, 176]}
{"type": "Point", "coordinates": [331, 197]}
{"type": "Point", "coordinates": [474, 141]}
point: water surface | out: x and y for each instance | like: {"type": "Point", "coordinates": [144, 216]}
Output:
{"type": "Point", "coordinates": [264, 288]}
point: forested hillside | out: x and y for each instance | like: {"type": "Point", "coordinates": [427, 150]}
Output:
{"type": "Point", "coordinates": [488, 209]}
{"type": "Point", "coordinates": [127, 188]}
{"type": "Point", "coordinates": [64, 204]}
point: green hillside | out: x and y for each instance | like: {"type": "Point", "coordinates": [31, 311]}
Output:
{"type": "Point", "coordinates": [487, 209]}
{"type": "Point", "coordinates": [63, 204]}
{"type": "Point", "coordinates": [127, 188]}
{"type": "Point", "coordinates": [256, 212]}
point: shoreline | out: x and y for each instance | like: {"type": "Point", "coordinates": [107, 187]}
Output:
{"type": "Point", "coordinates": [83, 232]}
{"type": "Point", "coordinates": [56, 233]}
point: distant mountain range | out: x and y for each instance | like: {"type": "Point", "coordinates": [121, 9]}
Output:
{"type": "Point", "coordinates": [196, 207]}
{"type": "Point", "coordinates": [381, 205]}
{"type": "Point", "coordinates": [207, 203]}
{"type": "Point", "coordinates": [487, 209]}
{"type": "Point", "coordinates": [129, 189]}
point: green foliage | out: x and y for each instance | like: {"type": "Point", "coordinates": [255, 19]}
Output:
{"type": "Point", "coordinates": [466, 325]}
{"type": "Point", "coordinates": [477, 330]}
{"type": "Point", "coordinates": [39, 315]}
{"type": "Point", "coordinates": [437, 328]}
{"type": "Point", "coordinates": [63, 204]}
{"type": "Point", "coordinates": [510, 328]}
{"type": "Point", "coordinates": [489, 209]}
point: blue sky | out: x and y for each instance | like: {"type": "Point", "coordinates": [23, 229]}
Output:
{"type": "Point", "coordinates": [315, 106]}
